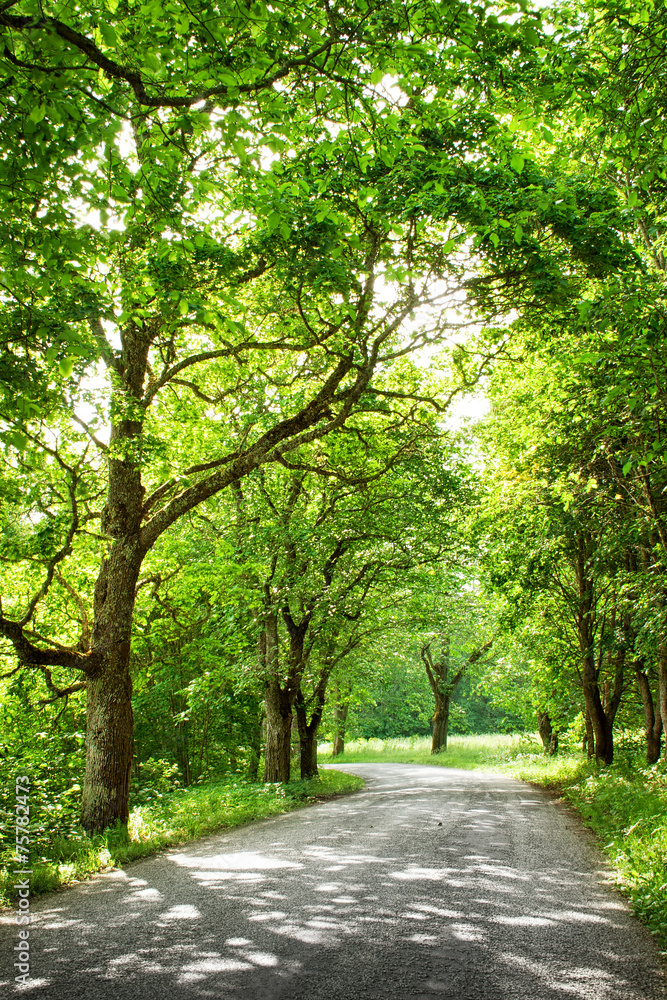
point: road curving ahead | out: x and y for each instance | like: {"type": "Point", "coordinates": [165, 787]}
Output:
{"type": "Point", "coordinates": [429, 883]}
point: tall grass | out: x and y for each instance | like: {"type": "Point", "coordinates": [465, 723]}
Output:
{"type": "Point", "coordinates": [625, 805]}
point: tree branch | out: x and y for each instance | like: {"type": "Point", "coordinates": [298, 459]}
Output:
{"type": "Point", "coordinates": [264, 450]}
{"type": "Point", "coordinates": [118, 71]}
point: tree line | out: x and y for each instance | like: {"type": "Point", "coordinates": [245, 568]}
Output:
{"type": "Point", "coordinates": [250, 262]}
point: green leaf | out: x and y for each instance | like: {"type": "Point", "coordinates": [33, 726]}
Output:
{"type": "Point", "coordinates": [589, 357]}
{"type": "Point", "coordinates": [517, 162]}
{"type": "Point", "coordinates": [518, 233]}
{"type": "Point", "coordinates": [494, 239]}
{"type": "Point", "coordinates": [108, 33]}
{"type": "Point", "coordinates": [17, 439]}
{"type": "Point", "coordinates": [66, 366]}
{"type": "Point", "coordinates": [37, 113]}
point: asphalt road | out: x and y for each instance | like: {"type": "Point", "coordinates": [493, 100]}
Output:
{"type": "Point", "coordinates": [429, 883]}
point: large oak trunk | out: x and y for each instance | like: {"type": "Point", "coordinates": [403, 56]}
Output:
{"type": "Point", "coordinates": [278, 702]}
{"type": "Point", "coordinates": [109, 724]}
{"type": "Point", "coordinates": [109, 721]}
{"type": "Point", "coordinates": [109, 742]}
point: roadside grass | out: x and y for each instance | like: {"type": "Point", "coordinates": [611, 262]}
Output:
{"type": "Point", "coordinates": [625, 805]}
{"type": "Point", "coordinates": [170, 818]}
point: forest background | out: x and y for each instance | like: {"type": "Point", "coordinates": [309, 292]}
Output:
{"type": "Point", "coordinates": [255, 260]}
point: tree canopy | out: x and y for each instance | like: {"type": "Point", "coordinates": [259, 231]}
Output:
{"type": "Point", "coordinates": [252, 256]}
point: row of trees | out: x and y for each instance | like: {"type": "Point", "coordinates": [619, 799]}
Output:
{"type": "Point", "coordinates": [231, 237]}
{"type": "Point", "coordinates": [578, 495]}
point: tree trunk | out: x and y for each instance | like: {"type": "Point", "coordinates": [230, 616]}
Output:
{"type": "Point", "coordinates": [547, 733]}
{"type": "Point", "coordinates": [278, 701]}
{"type": "Point", "coordinates": [307, 744]}
{"type": "Point", "coordinates": [308, 730]}
{"type": "Point", "coordinates": [256, 748]}
{"type": "Point", "coordinates": [109, 725]}
{"type": "Point", "coordinates": [443, 687]}
{"type": "Point", "coordinates": [109, 743]}
{"type": "Point", "coordinates": [589, 736]}
{"type": "Point", "coordinates": [307, 741]}
{"type": "Point", "coordinates": [340, 723]}
{"type": "Point", "coordinates": [440, 723]}
{"type": "Point", "coordinates": [544, 727]}
{"type": "Point", "coordinates": [662, 688]}
{"type": "Point", "coordinates": [653, 724]}
{"type": "Point", "coordinates": [601, 724]}
{"type": "Point", "coordinates": [603, 735]}
{"type": "Point", "coordinates": [109, 721]}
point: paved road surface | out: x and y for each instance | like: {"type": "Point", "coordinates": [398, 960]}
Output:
{"type": "Point", "coordinates": [430, 883]}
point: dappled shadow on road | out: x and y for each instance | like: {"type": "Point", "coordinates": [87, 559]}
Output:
{"type": "Point", "coordinates": [416, 892]}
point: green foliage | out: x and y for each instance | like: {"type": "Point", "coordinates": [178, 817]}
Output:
{"type": "Point", "coordinates": [227, 236]}
{"type": "Point", "coordinates": [626, 807]}
{"type": "Point", "coordinates": [396, 702]}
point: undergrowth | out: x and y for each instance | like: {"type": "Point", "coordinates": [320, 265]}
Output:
{"type": "Point", "coordinates": [625, 805]}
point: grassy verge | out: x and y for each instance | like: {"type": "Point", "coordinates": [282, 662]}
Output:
{"type": "Point", "coordinates": [170, 819]}
{"type": "Point", "coordinates": [625, 805]}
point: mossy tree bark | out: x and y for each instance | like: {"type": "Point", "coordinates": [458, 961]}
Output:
{"type": "Point", "coordinates": [279, 697]}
